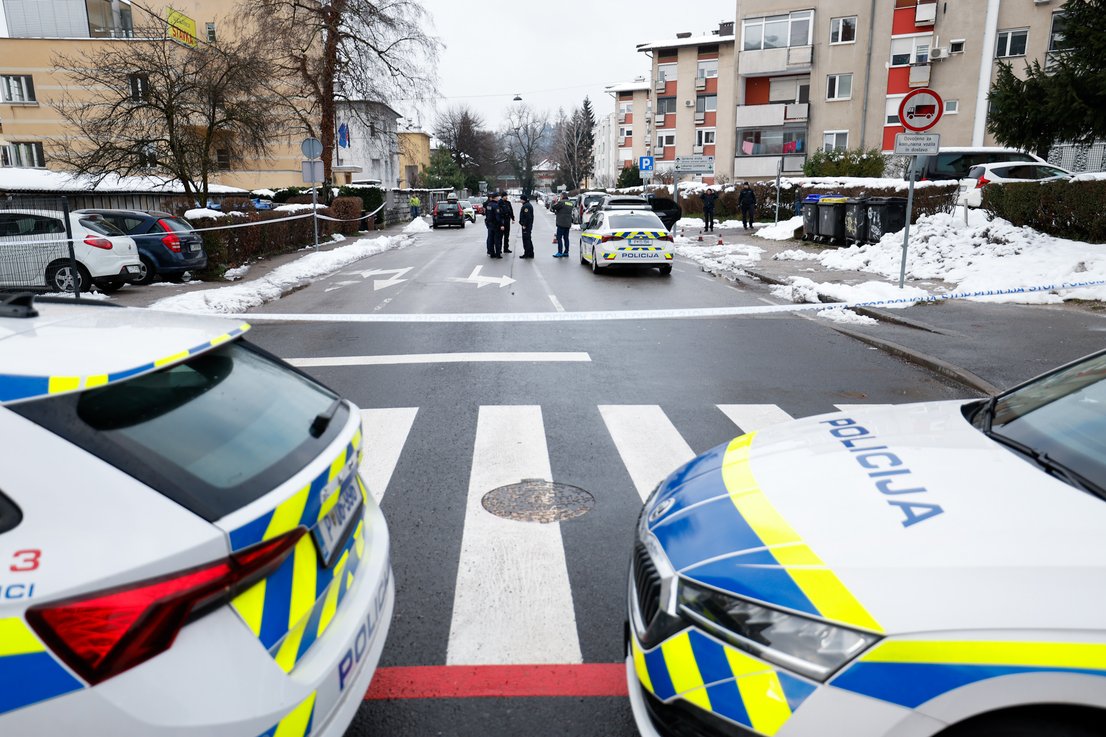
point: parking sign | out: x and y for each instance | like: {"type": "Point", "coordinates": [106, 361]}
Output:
{"type": "Point", "coordinates": [645, 163]}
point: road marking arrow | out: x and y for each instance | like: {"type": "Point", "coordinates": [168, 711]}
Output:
{"type": "Point", "coordinates": [391, 281]}
{"type": "Point", "coordinates": [483, 281]}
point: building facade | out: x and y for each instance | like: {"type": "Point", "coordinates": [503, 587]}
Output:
{"type": "Point", "coordinates": [605, 153]}
{"type": "Point", "coordinates": [632, 127]}
{"type": "Point", "coordinates": [371, 153]}
{"type": "Point", "coordinates": [414, 157]}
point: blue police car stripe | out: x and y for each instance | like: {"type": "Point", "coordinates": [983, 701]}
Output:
{"type": "Point", "coordinates": [28, 673]}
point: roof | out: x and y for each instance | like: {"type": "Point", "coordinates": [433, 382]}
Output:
{"type": "Point", "coordinates": [70, 347]}
{"type": "Point", "coordinates": [692, 41]}
{"type": "Point", "coordinates": [636, 86]}
{"type": "Point", "coordinates": [16, 179]}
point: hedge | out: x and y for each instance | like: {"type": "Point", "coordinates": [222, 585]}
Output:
{"type": "Point", "coordinates": [1072, 210]}
{"type": "Point", "coordinates": [238, 246]}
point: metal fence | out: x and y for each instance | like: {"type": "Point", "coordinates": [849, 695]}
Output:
{"type": "Point", "coordinates": [36, 246]}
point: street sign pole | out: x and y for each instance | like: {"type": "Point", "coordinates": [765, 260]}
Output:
{"type": "Point", "coordinates": [906, 231]}
{"type": "Point", "coordinates": [779, 175]}
{"type": "Point", "coordinates": [919, 111]}
{"type": "Point", "coordinates": [312, 149]}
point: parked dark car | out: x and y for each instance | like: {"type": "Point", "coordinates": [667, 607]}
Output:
{"type": "Point", "coordinates": [448, 213]}
{"type": "Point", "coordinates": [667, 210]}
{"type": "Point", "coordinates": [168, 246]}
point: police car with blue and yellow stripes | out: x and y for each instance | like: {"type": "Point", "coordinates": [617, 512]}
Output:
{"type": "Point", "coordinates": [932, 569]}
{"type": "Point", "coordinates": [626, 238]}
{"type": "Point", "coordinates": [186, 545]}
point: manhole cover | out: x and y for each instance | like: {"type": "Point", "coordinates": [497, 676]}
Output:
{"type": "Point", "coordinates": [536, 500]}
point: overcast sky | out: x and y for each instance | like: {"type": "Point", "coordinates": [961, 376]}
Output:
{"type": "Point", "coordinates": [552, 53]}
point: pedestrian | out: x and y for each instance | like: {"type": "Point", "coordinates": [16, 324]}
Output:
{"type": "Point", "coordinates": [709, 198]}
{"type": "Point", "coordinates": [506, 217]}
{"type": "Point", "coordinates": [747, 201]}
{"type": "Point", "coordinates": [415, 203]}
{"type": "Point", "coordinates": [526, 221]}
{"type": "Point", "coordinates": [563, 211]}
{"type": "Point", "coordinates": [491, 221]}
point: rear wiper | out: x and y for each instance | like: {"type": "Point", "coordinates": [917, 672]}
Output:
{"type": "Point", "coordinates": [322, 420]}
{"type": "Point", "coordinates": [1051, 465]}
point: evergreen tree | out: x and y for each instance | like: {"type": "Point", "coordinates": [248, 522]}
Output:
{"type": "Point", "coordinates": [587, 142]}
{"type": "Point", "coordinates": [629, 177]}
{"type": "Point", "coordinates": [443, 171]}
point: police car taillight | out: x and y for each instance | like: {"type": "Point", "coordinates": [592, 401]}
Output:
{"type": "Point", "coordinates": [105, 633]}
{"type": "Point", "coordinates": [609, 238]}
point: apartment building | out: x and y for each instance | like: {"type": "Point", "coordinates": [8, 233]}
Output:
{"type": "Point", "coordinates": [605, 164]}
{"type": "Point", "coordinates": [371, 150]}
{"type": "Point", "coordinates": [633, 108]}
{"type": "Point", "coordinates": [693, 95]}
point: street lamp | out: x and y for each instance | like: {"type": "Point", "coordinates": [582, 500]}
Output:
{"type": "Point", "coordinates": [518, 98]}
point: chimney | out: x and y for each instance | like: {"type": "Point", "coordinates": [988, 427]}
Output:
{"type": "Point", "coordinates": [686, 34]}
{"type": "Point", "coordinates": [725, 28]}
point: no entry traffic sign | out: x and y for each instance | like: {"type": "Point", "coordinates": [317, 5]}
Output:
{"type": "Point", "coordinates": [921, 110]}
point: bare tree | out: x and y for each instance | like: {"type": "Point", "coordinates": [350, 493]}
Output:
{"type": "Point", "coordinates": [570, 148]}
{"type": "Point", "coordinates": [159, 108]}
{"type": "Point", "coordinates": [524, 134]}
{"type": "Point", "coordinates": [325, 51]}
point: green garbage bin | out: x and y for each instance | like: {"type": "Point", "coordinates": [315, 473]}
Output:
{"type": "Point", "coordinates": [885, 215]}
{"type": "Point", "coordinates": [831, 218]}
{"type": "Point", "coordinates": [856, 220]}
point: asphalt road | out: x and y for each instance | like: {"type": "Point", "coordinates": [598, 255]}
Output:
{"type": "Point", "coordinates": [617, 404]}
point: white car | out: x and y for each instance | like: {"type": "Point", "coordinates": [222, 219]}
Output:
{"type": "Point", "coordinates": [971, 188]}
{"type": "Point", "coordinates": [468, 211]}
{"type": "Point", "coordinates": [888, 572]}
{"type": "Point", "coordinates": [186, 546]}
{"type": "Point", "coordinates": [34, 252]}
{"type": "Point", "coordinates": [626, 239]}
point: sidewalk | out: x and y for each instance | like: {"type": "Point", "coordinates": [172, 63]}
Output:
{"type": "Point", "coordinates": [984, 346]}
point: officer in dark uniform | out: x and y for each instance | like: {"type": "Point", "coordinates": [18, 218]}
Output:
{"type": "Point", "coordinates": [506, 217]}
{"type": "Point", "coordinates": [491, 221]}
{"type": "Point", "coordinates": [526, 220]}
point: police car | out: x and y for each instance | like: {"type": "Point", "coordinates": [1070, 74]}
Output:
{"type": "Point", "coordinates": [626, 238]}
{"type": "Point", "coordinates": [186, 546]}
{"type": "Point", "coordinates": [911, 571]}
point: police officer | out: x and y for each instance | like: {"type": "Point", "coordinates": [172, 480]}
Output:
{"type": "Point", "coordinates": [526, 220]}
{"type": "Point", "coordinates": [491, 221]}
{"type": "Point", "coordinates": [506, 217]}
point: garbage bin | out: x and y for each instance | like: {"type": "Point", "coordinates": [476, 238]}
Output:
{"type": "Point", "coordinates": [885, 215]}
{"type": "Point", "coordinates": [810, 216]}
{"type": "Point", "coordinates": [831, 218]}
{"type": "Point", "coordinates": [856, 220]}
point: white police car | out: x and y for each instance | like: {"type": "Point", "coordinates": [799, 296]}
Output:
{"type": "Point", "coordinates": [186, 546]}
{"type": "Point", "coordinates": [911, 571]}
{"type": "Point", "coordinates": [626, 238]}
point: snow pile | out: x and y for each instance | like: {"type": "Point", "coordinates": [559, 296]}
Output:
{"type": "Point", "coordinates": [982, 256]}
{"type": "Point", "coordinates": [802, 289]}
{"type": "Point", "coordinates": [690, 223]}
{"type": "Point", "coordinates": [266, 193]}
{"type": "Point", "coordinates": [418, 225]}
{"type": "Point", "coordinates": [202, 212]}
{"type": "Point", "coordinates": [797, 255]}
{"type": "Point", "coordinates": [831, 183]}
{"type": "Point", "coordinates": [236, 273]}
{"type": "Point", "coordinates": [719, 259]}
{"type": "Point", "coordinates": [296, 208]}
{"type": "Point", "coordinates": [846, 317]}
{"type": "Point", "coordinates": [241, 297]}
{"type": "Point", "coordinates": [781, 231]}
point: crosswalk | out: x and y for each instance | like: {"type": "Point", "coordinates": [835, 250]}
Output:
{"type": "Point", "coordinates": [512, 578]}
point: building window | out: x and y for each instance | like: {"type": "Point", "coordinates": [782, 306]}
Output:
{"type": "Point", "coordinates": [892, 110]}
{"type": "Point", "coordinates": [789, 89]}
{"type": "Point", "coordinates": [147, 155]}
{"type": "Point", "coordinates": [777, 31]}
{"type": "Point", "coordinates": [666, 139]}
{"type": "Point", "coordinates": [707, 69]}
{"type": "Point", "coordinates": [666, 105]}
{"type": "Point", "coordinates": [626, 108]}
{"type": "Point", "coordinates": [704, 137]}
{"type": "Point", "coordinates": [843, 30]}
{"type": "Point", "coordinates": [211, 33]}
{"type": "Point", "coordinates": [835, 140]}
{"type": "Point", "coordinates": [1056, 34]}
{"type": "Point", "coordinates": [625, 132]}
{"type": "Point", "coordinates": [140, 87]}
{"type": "Point", "coordinates": [771, 141]}
{"type": "Point", "coordinates": [839, 86]}
{"type": "Point", "coordinates": [666, 72]}
{"type": "Point", "coordinates": [22, 154]}
{"type": "Point", "coordinates": [222, 159]}
{"type": "Point", "coordinates": [952, 107]}
{"type": "Point", "coordinates": [1011, 43]}
{"type": "Point", "coordinates": [17, 88]}
{"type": "Point", "coordinates": [706, 103]}
{"type": "Point", "coordinates": [907, 51]}
{"type": "Point", "coordinates": [957, 46]}
{"type": "Point", "coordinates": [103, 22]}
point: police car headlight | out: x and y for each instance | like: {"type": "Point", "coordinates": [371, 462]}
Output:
{"type": "Point", "coordinates": [807, 646]}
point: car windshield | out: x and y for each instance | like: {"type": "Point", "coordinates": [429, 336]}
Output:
{"type": "Point", "coordinates": [1060, 419]}
{"type": "Point", "coordinates": [97, 224]}
{"type": "Point", "coordinates": [628, 202]}
{"type": "Point", "coordinates": [177, 225]}
{"type": "Point", "coordinates": [635, 220]}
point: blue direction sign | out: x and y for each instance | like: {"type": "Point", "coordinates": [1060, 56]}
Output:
{"type": "Point", "coordinates": [645, 163]}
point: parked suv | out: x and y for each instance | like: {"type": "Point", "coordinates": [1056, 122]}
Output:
{"type": "Point", "coordinates": [167, 245]}
{"type": "Point", "coordinates": [955, 163]}
{"type": "Point", "coordinates": [34, 252]}
{"type": "Point", "coordinates": [971, 188]}
{"type": "Point", "coordinates": [448, 213]}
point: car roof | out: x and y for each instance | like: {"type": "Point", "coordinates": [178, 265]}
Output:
{"type": "Point", "coordinates": [114, 211]}
{"type": "Point", "coordinates": [69, 347]}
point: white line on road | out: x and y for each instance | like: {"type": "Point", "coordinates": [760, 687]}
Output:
{"type": "Point", "coordinates": [556, 303]}
{"type": "Point", "coordinates": [384, 433]}
{"type": "Point", "coordinates": [751, 417]}
{"type": "Point", "coordinates": [650, 445]}
{"type": "Point", "coordinates": [512, 603]}
{"type": "Point", "coordinates": [409, 358]}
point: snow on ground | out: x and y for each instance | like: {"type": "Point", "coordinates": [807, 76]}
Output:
{"type": "Point", "coordinates": [846, 317]}
{"type": "Point", "coordinates": [719, 259]}
{"type": "Point", "coordinates": [982, 256]}
{"type": "Point", "coordinates": [690, 223]}
{"type": "Point", "coordinates": [306, 207]}
{"type": "Point", "coordinates": [236, 273]}
{"type": "Point", "coordinates": [797, 255]}
{"type": "Point", "coordinates": [802, 289]}
{"type": "Point", "coordinates": [418, 225]}
{"type": "Point", "coordinates": [202, 212]}
{"type": "Point", "coordinates": [781, 231]}
{"type": "Point", "coordinates": [266, 193]}
{"type": "Point", "coordinates": [244, 296]}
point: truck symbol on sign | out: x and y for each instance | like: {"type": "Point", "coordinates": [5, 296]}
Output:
{"type": "Point", "coordinates": [922, 111]}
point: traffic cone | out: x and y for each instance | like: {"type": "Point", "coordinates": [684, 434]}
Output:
{"type": "Point", "coordinates": [700, 238]}
{"type": "Point", "coordinates": [720, 241]}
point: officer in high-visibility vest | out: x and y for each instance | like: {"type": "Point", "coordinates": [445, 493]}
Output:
{"type": "Point", "coordinates": [415, 204]}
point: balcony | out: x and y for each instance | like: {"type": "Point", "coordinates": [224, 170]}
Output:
{"type": "Point", "coordinates": [622, 118]}
{"type": "Point", "coordinates": [762, 62]}
{"type": "Point", "coordinates": [700, 118]}
{"type": "Point", "coordinates": [796, 111]}
{"type": "Point", "coordinates": [925, 14]}
{"type": "Point", "coordinates": [700, 83]}
{"type": "Point", "coordinates": [761, 116]}
{"type": "Point", "coordinates": [696, 149]}
{"type": "Point", "coordinates": [659, 85]}
{"type": "Point", "coordinates": [919, 75]}
{"type": "Point", "coordinates": [658, 150]}
{"type": "Point", "coordinates": [658, 119]}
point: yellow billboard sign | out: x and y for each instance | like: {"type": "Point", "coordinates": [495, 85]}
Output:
{"type": "Point", "coordinates": [181, 28]}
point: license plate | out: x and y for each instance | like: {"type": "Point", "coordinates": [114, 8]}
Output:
{"type": "Point", "coordinates": [134, 269]}
{"type": "Point", "coordinates": [640, 242]}
{"type": "Point", "coordinates": [334, 528]}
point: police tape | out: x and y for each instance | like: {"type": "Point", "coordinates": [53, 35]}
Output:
{"type": "Point", "coordinates": [661, 314]}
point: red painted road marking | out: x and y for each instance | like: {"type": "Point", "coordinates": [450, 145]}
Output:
{"type": "Point", "coordinates": [498, 681]}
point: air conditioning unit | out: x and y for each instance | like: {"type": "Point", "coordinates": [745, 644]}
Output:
{"type": "Point", "coordinates": [689, 103]}
{"type": "Point", "coordinates": [938, 53]}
